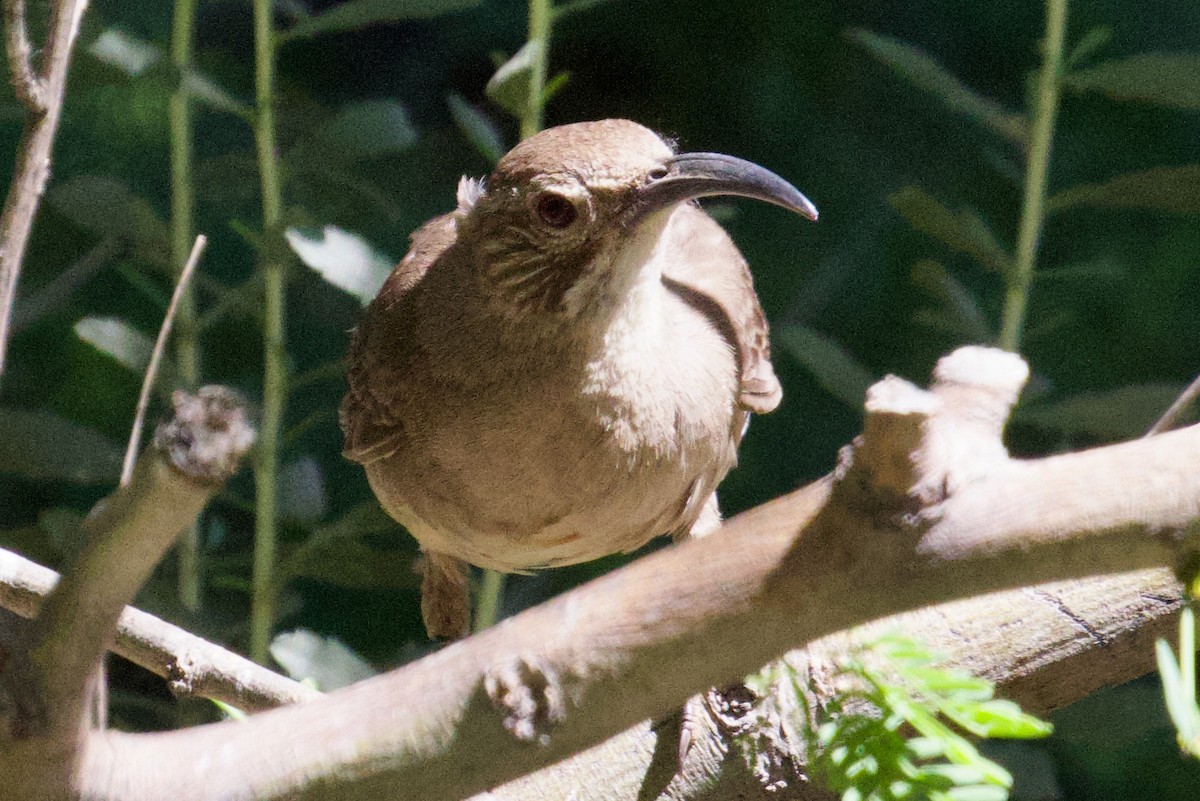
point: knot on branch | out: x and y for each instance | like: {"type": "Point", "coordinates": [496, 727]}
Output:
{"type": "Point", "coordinates": [208, 436]}
{"type": "Point", "coordinates": [920, 446]}
{"type": "Point", "coordinates": [530, 693]}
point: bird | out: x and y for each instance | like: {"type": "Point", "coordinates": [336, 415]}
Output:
{"type": "Point", "coordinates": [563, 366]}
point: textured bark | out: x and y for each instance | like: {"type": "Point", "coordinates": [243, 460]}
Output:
{"type": "Point", "coordinates": [925, 508]}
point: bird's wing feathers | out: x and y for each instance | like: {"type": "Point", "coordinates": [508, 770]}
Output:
{"type": "Point", "coordinates": [711, 275]}
{"type": "Point", "coordinates": [372, 430]}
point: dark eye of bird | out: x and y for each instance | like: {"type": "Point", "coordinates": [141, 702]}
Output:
{"type": "Point", "coordinates": [555, 210]}
{"type": "Point", "coordinates": [658, 173]}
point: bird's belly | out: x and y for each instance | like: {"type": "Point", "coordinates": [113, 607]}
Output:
{"type": "Point", "coordinates": [563, 486]}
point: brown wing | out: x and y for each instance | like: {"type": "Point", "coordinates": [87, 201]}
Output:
{"type": "Point", "coordinates": [712, 275]}
{"type": "Point", "coordinates": [372, 431]}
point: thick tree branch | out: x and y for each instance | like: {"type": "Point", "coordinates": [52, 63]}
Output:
{"type": "Point", "coordinates": [192, 456]}
{"type": "Point", "coordinates": [925, 508]}
{"type": "Point", "coordinates": [42, 93]}
{"type": "Point", "coordinates": [193, 666]}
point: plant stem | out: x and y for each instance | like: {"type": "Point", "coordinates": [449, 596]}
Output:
{"type": "Point", "coordinates": [187, 347]}
{"type": "Point", "coordinates": [541, 17]}
{"type": "Point", "coordinates": [1033, 207]}
{"type": "Point", "coordinates": [262, 607]}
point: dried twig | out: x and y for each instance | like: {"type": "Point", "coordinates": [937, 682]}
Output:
{"type": "Point", "coordinates": [1185, 399]}
{"type": "Point", "coordinates": [43, 95]}
{"type": "Point", "coordinates": [139, 417]}
{"type": "Point", "coordinates": [29, 87]}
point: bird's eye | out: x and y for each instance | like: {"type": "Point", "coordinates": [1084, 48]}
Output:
{"type": "Point", "coordinates": [658, 173]}
{"type": "Point", "coordinates": [555, 210]}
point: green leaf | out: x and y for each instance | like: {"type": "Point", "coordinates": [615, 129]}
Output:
{"type": "Point", "coordinates": [1169, 189]}
{"type": "Point", "coordinates": [963, 232]}
{"type": "Point", "coordinates": [997, 718]}
{"type": "Point", "coordinates": [1165, 79]}
{"type": "Point", "coordinates": [326, 661]}
{"type": "Point", "coordinates": [1088, 45]}
{"type": "Point", "coordinates": [302, 495]}
{"type": "Point", "coordinates": [509, 86]}
{"type": "Point", "coordinates": [959, 311]}
{"type": "Point", "coordinates": [555, 85]}
{"type": "Point", "coordinates": [44, 447]}
{"type": "Point", "coordinates": [1116, 414]}
{"type": "Point", "coordinates": [478, 127]}
{"type": "Point", "coordinates": [978, 792]}
{"type": "Point", "coordinates": [343, 259]}
{"type": "Point", "coordinates": [366, 130]}
{"type": "Point", "coordinates": [213, 95]}
{"type": "Point", "coordinates": [131, 55]}
{"type": "Point", "coordinates": [126, 345]}
{"type": "Point", "coordinates": [358, 14]}
{"type": "Point", "coordinates": [830, 364]}
{"type": "Point", "coordinates": [930, 76]}
{"type": "Point", "coordinates": [107, 206]}
{"type": "Point", "coordinates": [347, 562]}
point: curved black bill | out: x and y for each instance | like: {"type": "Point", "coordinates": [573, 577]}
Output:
{"type": "Point", "coordinates": [694, 175]}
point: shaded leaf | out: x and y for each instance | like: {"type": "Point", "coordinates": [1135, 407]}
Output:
{"type": "Point", "coordinates": [831, 365]}
{"type": "Point", "coordinates": [348, 562]}
{"type": "Point", "coordinates": [365, 518]}
{"type": "Point", "coordinates": [326, 661]}
{"type": "Point", "coordinates": [116, 338]}
{"type": "Point", "coordinates": [1088, 45]}
{"type": "Point", "coordinates": [964, 231]}
{"type": "Point", "coordinates": [106, 206]}
{"type": "Point", "coordinates": [479, 129]}
{"type": "Point", "coordinates": [998, 718]}
{"type": "Point", "coordinates": [366, 130]}
{"type": "Point", "coordinates": [1165, 79]}
{"type": "Point", "coordinates": [343, 259]}
{"type": "Point", "coordinates": [555, 85]}
{"type": "Point", "coordinates": [127, 53]}
{"type": "Point", "coordinates": [1117, 414]}
{"type": "Point", "coordinates": [509, 86]}
{"type": "Point", "coordinates": [301, 491]}
{"type": "Point", "coordinates": [926, 74]}
{"type": "Point", "coordinates": [357, 14]}
{"type": "Point", "coordinates": [1170, 189]}
{"type": "Point", "coordinates": [44, 447]}
{"type": "Point", "coordinates": [958, 309]}
{"type": "Point", "coordinates": [213, 95]}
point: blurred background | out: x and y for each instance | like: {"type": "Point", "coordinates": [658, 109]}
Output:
{"type": "Point", "coordinates": [907, 124]}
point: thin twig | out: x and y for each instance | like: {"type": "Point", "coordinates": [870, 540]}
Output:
{"type": "Point", "coordinates": [1169, 417]}
{"type": "Point", "coordinates": [33, 157]}
{"type": "Point", "coordinates": [30, 89]}
{"type": "Point", "coordinates": [135, 436]}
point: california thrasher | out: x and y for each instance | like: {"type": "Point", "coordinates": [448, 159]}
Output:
{"type": "Point", "coordinates": [563, 367]}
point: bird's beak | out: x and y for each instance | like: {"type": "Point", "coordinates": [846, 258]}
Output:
{"type": "Point", "coordinates": [688, 176]}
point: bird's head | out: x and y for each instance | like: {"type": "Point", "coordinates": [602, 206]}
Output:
{"type": "Point", "coordinates": [566, 208]}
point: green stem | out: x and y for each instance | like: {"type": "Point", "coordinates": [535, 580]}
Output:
{"type": "Point", "coordinates": [541, 17]}
{"type": "Point", "coordinates": [1033, 207]}
{"type": "Point", "coordinates": [187, 346]}
{"type": "Point", "coordinates": [263, 604]}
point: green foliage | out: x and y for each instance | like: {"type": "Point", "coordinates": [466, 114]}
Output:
{"type": "Point", "coordinates": [42, 446]}
{"type": "Point", "coordinates": [926, 74]}
{"type": "Point", "coordinates": [1169, 189]}
{"type": "Point", "coordinates": [865, 750]}
{"type": "Point", "coordinates": [1165, 79]}
{"type": "Point", "coordinates": [830, 364]}
{"type": "Point", "coordinates": [357, 14]}
{"type": "Point", "coordinates": [963, 231]}
{"type": "Point", "coordinates": [1179, 683]}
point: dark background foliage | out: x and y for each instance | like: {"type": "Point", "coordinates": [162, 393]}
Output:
{"type": "Point", "coordinates": [1112, 333]}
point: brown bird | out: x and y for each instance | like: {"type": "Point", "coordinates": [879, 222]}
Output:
{"type": "Point", "coordinates": [563, 367]}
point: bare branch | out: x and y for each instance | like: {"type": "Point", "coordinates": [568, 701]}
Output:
{"type": "Point", "coordinates": [191, 458]}
{"type": "Point", "coordinates": [164, 331]}
{"type": "Point", "coordinates": [32, 168]}
{"type": "Point", "coordinates": [1185, 399]}
{"type": "Point", "coordinates": [192, 665]}
{"type": "Point", "coordinates": [27, 84]}
{"type": "Point", "coordinates": [924, 508]}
